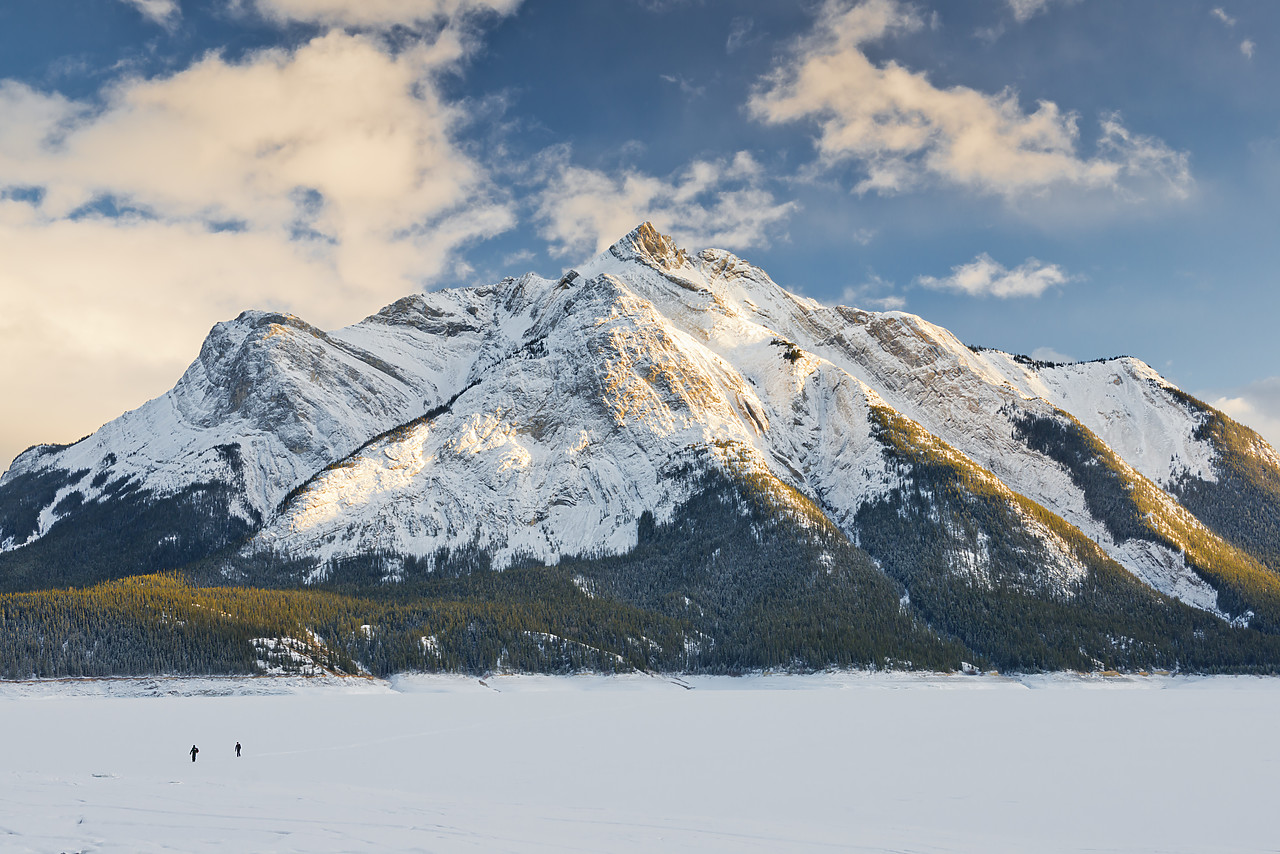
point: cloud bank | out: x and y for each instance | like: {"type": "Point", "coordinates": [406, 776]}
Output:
{"type": "Point", "coordinates": [905, 132]}
{"type": "Point", "coordinates": [324, 180]}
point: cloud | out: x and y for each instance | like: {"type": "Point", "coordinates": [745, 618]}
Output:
{"type": "Point", "coordinates": [337, 141]}
{"type": "Point", "coordinates": [740, 35]}
{"type": "Point", "coordinates": [97, 315]}
{"type": "Point", "coordinates": [904, 131]}
{"type": "Point", "coordinates": [378, 14]}
{"type": "Point", "coordinates": [686, 87]}
{"type": "Point", "coordinates": [1022, 11]}
{"type": "Point", "coordinates": [1144, 165]}
{"type": "Point", "coordinates": [1256, 405]}
{"type": "Point", "coordinates": [1221, 15]}
{"type": "Point", "coordinates": [1025, 10]}
{"type": "Point", "coordinates": [875, 293]}
{"type": "Point", "coordinates": [322, 180]}
{"type": "Point", "coordinates": [163, 12]}
{"type": "Point", "coordinates": [710, 203]}
{"type": "Point", "coordinates": [984, 276]}
{"type": "Point", "coordinates": [1048, 354]}
{"type": "Point", "coordinates": [1246, 47]}
{"type": "Point", "coordinates": [893, 302]}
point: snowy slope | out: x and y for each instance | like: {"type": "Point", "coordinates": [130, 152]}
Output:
{"type": "Point", "coordinates": [922, 371]}
{"type": "Point", "coordinates": [557, 445]}
{"type": "Point", "coordinates": [558, 442]}
{"type": "Point", "coordinates": [541, 418]}
{"type": "Point", "coordinates": [268, 402]}
{"type": "Point", "coordinates": [1127, 404]}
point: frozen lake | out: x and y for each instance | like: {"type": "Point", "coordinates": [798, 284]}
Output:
{"type": "Point", "coordinates": [848, 762]}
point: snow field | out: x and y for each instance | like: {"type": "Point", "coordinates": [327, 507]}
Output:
{"type": "Point", "coordinates": [846, 762]}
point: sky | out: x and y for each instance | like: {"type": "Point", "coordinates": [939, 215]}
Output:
{"type": "Point", "coordinates": [1067, 179]}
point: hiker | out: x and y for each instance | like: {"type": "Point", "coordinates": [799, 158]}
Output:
{"type": "Point", "coordinates": [237, 749]}
{"type": "Point", "coordinates": [194, 751]}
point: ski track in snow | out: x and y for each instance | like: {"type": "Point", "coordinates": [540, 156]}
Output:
{"type": "Point", "coordinates": [832, 762]}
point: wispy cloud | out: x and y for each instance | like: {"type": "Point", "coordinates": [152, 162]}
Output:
{"type": "Point", "coordinates": [1025, 10]}
{"type": "Point", "coordinates": [1022, 11]}
{"type": "Point", "coordinates": [686, 87]}
{"type": "Point", "coordinates": [892, 302]}
{"type": "Point", "coordinates": [740, 35]}
{"type": "Point", "coordinates": [709, 203]}
{"type": "Point", "coordinates": [1247, 46]}
{"type": "Point", "coordinates": [904, 131]}
{"type": "Point", "coordinates": [164, 12]}
{"type": "Point", "coordinates": [986, 277]}
{"type": "Point", "coordinates": [378, 14]}
{"type": "Point", "coordinates": [875, 292]}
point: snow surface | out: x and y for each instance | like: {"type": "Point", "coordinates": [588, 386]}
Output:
{"type": "Point", "coordinates": [837, 762]}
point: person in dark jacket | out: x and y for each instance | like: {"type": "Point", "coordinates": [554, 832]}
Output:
{"type": "Point", "coordinates": [194, 751]}
{"type": "Point", "coordinates": [237, 748]}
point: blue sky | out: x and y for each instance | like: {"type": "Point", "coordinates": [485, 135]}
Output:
{"type": "Point", "coordinates": [1070, 179]}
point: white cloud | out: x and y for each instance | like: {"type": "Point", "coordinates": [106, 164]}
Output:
{"type": "Point", "coordinates": [1247, 46]}
{"type": "Point", "coordinates": [904, 131]}
{"type": "Point", "coordinates": [163, 12]}
{"type": "Point", "coordinates": [710, 203]}
{"type": "Point", "coordinates": [875, 293]}
{"type": "Point", "coordinates": [97, 316]}
{"type": "Point", "coordinates": [379, 14]}
{"type": "Point", "coordinates": [337, 139]}
{"type": "Point", "coordinates": [984, 276]}
{"type": "Point", "coordinates": [1145, 166]}
{"type": "Point", "coordinates": [686, 87]}
{"type": "Point", "coordinates": [893, 302]}
{"type": "Point", "coordinates": [1025, 10]}
{"type": "Point", "coordinates": [1256, 405]}
{"type": "Point", "coordinates": [322, 180]}
{"type": "Point", "coordinates": [1048, 354]}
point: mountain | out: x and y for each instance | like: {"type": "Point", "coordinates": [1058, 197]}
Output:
{"type": "Point", "coordinates": [673, 433]}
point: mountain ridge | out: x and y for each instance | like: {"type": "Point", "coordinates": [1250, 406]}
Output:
{"type": "Point", "coordinates": [542, 421]}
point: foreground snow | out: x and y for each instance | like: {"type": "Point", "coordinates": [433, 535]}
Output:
{"type": "Point", "coordinates": [849, 762]}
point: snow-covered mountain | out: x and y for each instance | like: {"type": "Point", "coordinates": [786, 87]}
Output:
{"type": "Point", "coordinates": [540, 420]}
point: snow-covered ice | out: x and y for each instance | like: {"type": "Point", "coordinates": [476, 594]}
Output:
{"type": "Point", "coordinates": [834, 762]}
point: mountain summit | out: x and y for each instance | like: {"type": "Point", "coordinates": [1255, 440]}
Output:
{"type": "Point", "coordinates": [694, 440]}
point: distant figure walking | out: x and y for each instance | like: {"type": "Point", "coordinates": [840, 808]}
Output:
{"type": "Point", "coordinates": [194, 751]}
{"type": "Point", "coordinates": [237, 748]}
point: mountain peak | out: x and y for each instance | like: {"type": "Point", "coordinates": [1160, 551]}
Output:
{"type": "Point", "coordinates": [645, 243]}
